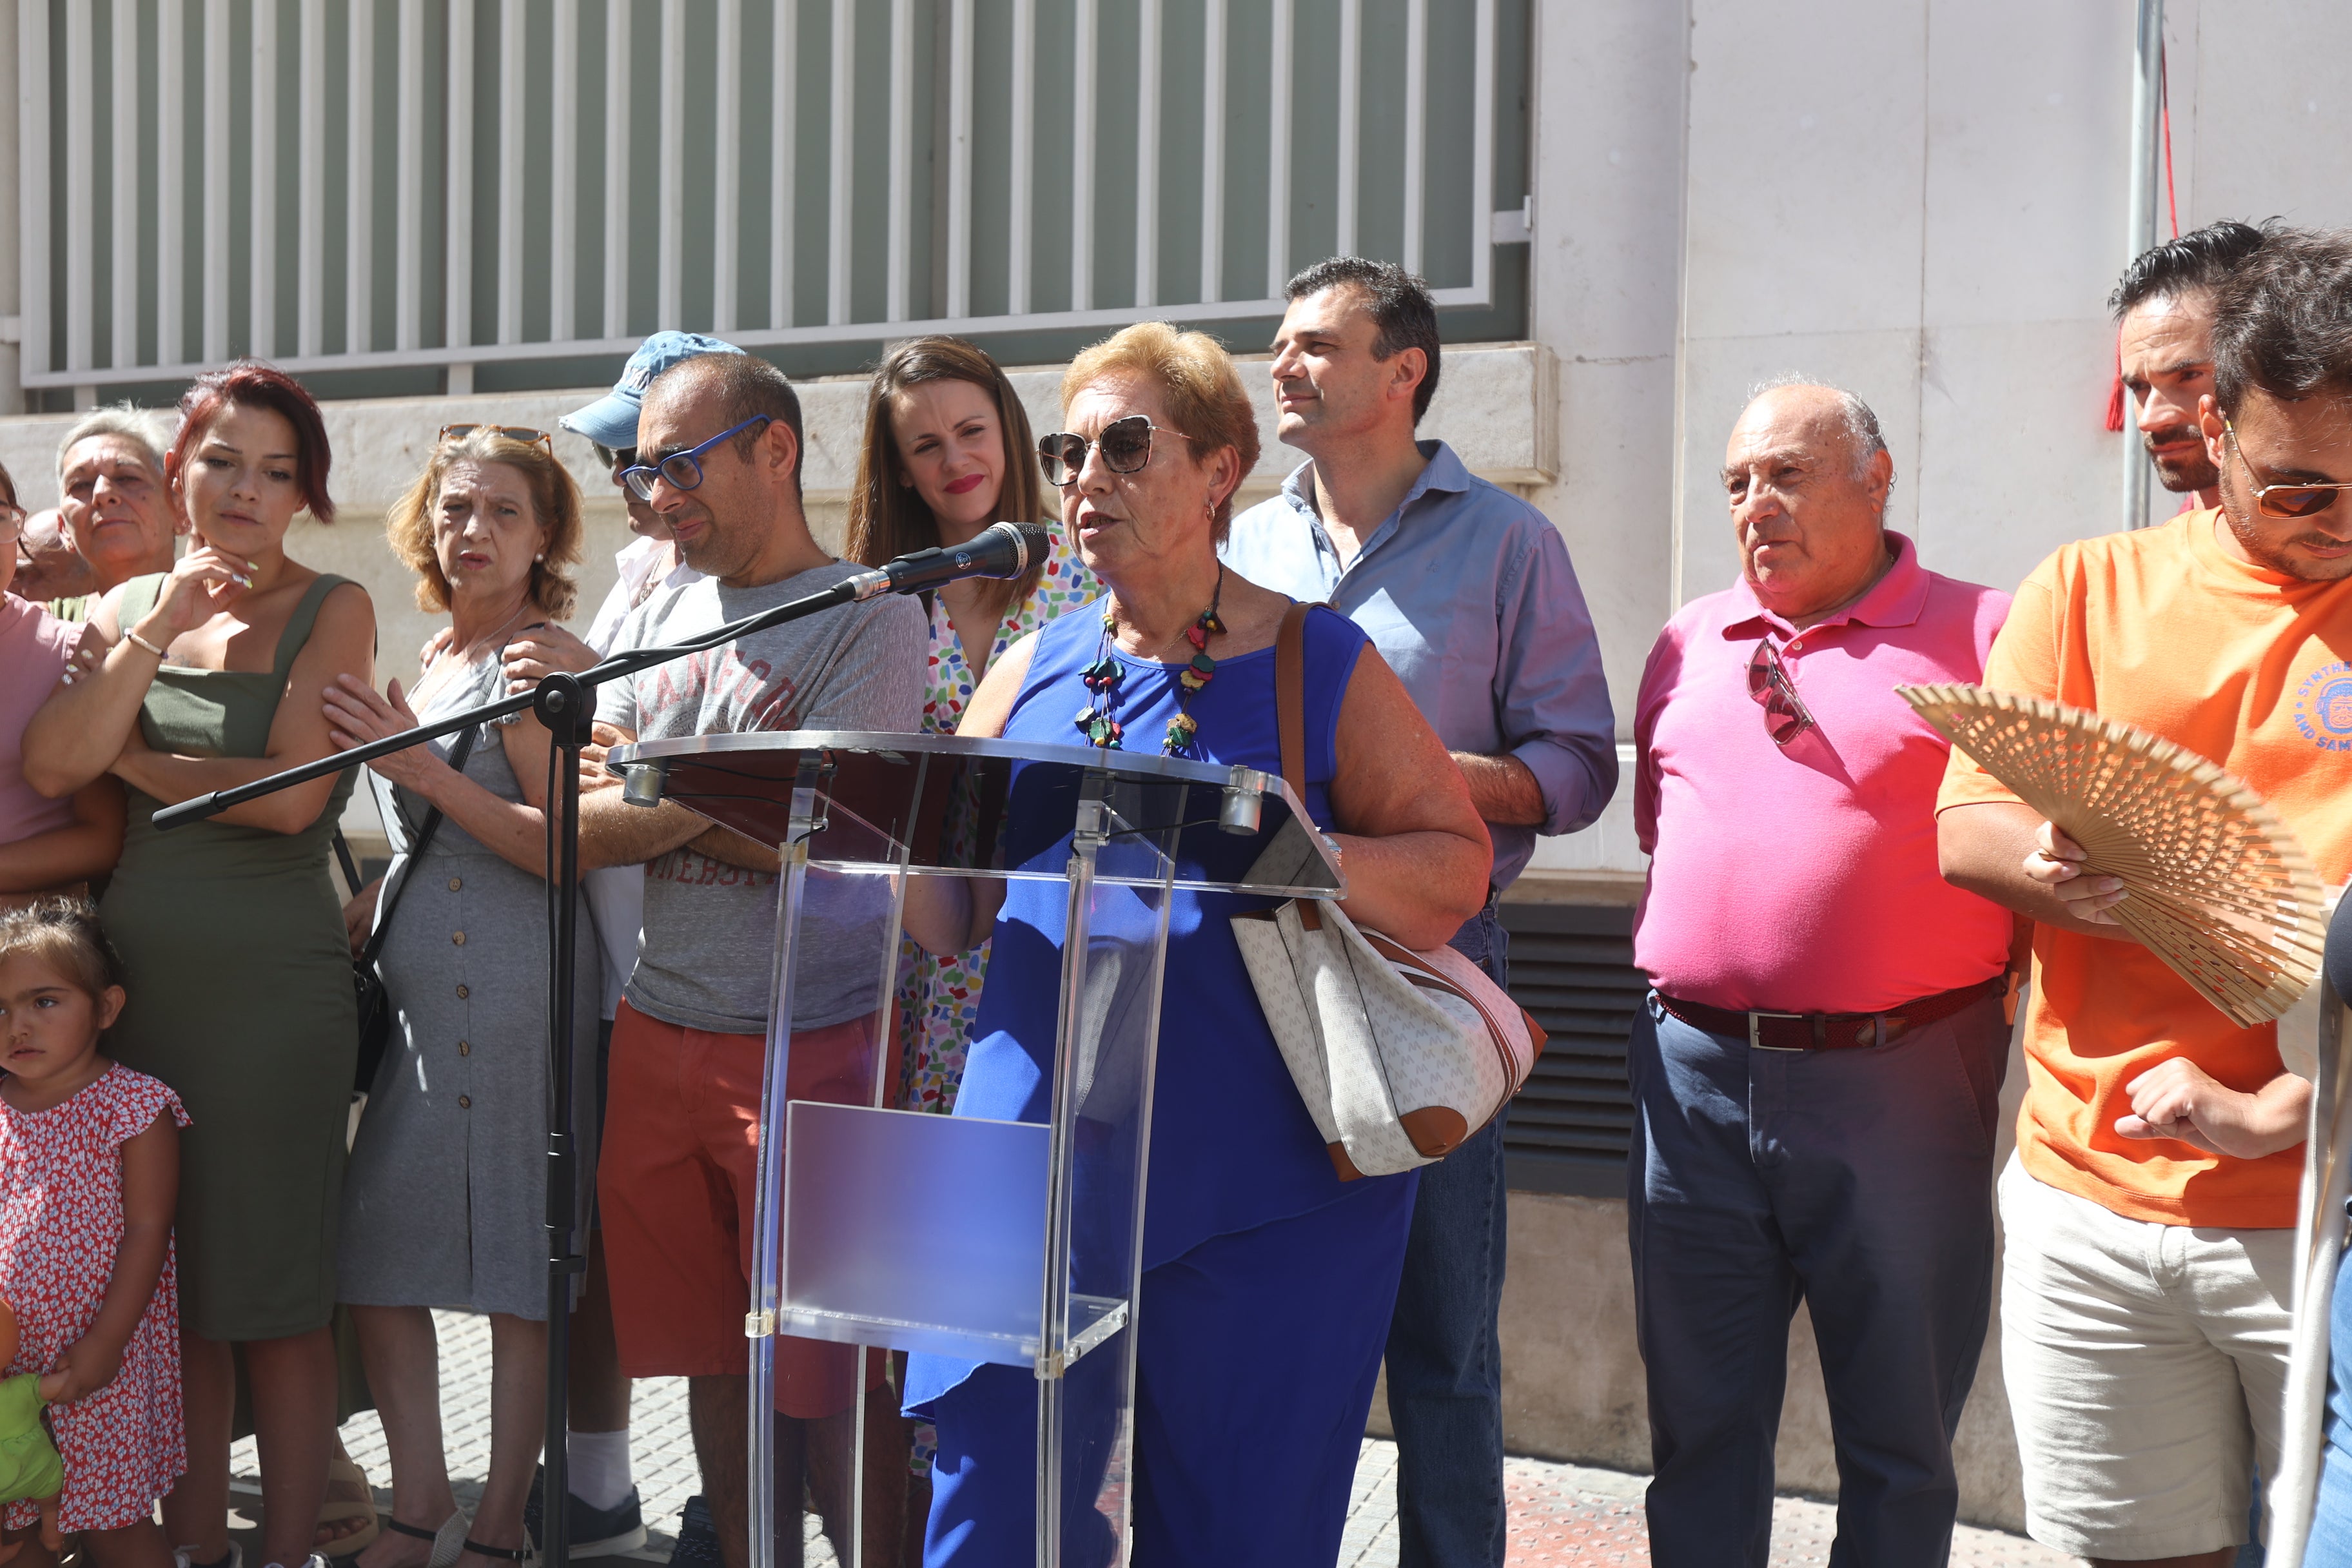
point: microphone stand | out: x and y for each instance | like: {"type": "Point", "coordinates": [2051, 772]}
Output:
{"type": "Point", "coordinates": [566, 704]}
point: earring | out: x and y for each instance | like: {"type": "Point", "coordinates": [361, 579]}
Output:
{"type": "Point", "coordinates": [541, 556]}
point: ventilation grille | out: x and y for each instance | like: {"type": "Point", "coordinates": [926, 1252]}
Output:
{"type": "Point", "coordinates": [1572, 967]}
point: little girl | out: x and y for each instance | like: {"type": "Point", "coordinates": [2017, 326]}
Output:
{"type": "Point", "coordinates": [90, 1171]}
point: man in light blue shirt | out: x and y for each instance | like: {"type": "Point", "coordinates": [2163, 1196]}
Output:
{"type": "Point", "coordinates": [1467, 592]}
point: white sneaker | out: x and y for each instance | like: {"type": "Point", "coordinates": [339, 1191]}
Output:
{"type": "Point", "coordinates": [183, 1557]}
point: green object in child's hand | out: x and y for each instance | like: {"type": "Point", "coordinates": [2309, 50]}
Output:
{"type": "Point", "coordinates": [29, 1467]}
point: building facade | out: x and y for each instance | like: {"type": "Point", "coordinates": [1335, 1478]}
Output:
{"type": "Point", "coordinates": [454, 210]}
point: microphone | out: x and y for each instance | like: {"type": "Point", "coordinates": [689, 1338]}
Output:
{"type": "Point", "coordinates": [1000, 550]}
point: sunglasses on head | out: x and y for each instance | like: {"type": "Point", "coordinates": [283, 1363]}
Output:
{"type": "Point", "coordinates": [1786, 717]}
{"type": "Point", "coordinates": [2284, 502]}
{"type": "Point", "coordinates": [522, 433]}
{"type": "Point", "coordinates": [1125, 445]}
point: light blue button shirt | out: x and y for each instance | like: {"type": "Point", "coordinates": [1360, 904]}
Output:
{"type": "Point", "coordinates": [1467, 592]}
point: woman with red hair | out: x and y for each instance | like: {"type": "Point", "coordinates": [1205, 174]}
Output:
{"type": "Point", "coordinates": [208, 676]}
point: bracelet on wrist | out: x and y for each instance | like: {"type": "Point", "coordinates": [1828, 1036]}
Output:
{"type": "Point", "coordinates": [1339, 859]}
{"type": "Point", "coordinates": [131, 635]}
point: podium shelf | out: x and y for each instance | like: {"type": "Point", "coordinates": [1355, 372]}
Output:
{"type": "Point", "coordinates": [1093, 1320]}
{"type": "Point", "coordinates": [880, 802]}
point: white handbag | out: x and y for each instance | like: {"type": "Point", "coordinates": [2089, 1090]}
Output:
{"type": "Point", "coordinates": [1399, 1055]}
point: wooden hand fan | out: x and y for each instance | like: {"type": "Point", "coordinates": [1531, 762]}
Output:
{"type": "Point", "coordinates": [2218, 889]}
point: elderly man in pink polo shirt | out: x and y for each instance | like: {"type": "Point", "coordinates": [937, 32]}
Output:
{"type": "Point", "coordinates": [1817, 1074]}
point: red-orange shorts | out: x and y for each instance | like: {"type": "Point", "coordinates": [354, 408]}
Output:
{"type": "Point", "coordinates": [677, 1182]}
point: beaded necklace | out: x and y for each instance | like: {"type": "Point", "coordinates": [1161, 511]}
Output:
{"type": "Point", "coordinates": [1102, 677]}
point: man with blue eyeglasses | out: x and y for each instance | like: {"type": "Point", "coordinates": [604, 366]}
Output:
{"type": "Point", "coordinates": [1467, 592]}
{"type": "Point", "coordinates": [718, 454]}
{"type": "Point", "coordinates": [606, 1516]}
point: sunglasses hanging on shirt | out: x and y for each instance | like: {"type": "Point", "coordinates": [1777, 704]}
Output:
{"type": "Point", "coordinates": [1786, 717]}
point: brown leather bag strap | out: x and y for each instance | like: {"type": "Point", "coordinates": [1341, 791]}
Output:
{"type": "Point", "coordinates": [1290, 697]}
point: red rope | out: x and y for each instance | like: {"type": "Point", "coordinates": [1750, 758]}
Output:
{"type": "Point", "coordinates": [2164, 106]}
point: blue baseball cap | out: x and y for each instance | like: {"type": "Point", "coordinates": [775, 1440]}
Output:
{"type": "Point", "coordinates": [612, 420]}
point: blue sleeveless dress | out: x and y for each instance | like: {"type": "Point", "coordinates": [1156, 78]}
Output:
{"type": "Point", "coordinates": [1268, 1282]}
{"type": "Point", "coordinates": [2330, 1541]}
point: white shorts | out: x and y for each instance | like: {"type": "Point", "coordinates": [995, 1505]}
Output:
{"type": "Point", "coordinates": [2147, 1371]}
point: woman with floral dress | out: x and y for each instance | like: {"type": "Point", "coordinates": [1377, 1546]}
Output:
{"type": "Point", "coordinates": [948, 452]}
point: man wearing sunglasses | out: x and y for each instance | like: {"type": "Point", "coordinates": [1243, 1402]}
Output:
{"type": "Point", "coordinates": [718, 448]}
{"type": "Point", "coordinates": [2164, 347]}
{"type": "Point", "coordinates": [2150, 1209]}
{"type": "Point", "coordinates": [1816, 1074]}
{"type": "Point", "coordinates": [1467, 592]}
{"type": "Point", "coordinates": [610, 424]}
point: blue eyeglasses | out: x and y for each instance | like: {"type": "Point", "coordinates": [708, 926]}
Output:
{"type": "Point", "coordinates": [682, 469]}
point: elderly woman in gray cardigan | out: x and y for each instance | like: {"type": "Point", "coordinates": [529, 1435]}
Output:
{"type": "Point", "coordinates": [446, 1196]}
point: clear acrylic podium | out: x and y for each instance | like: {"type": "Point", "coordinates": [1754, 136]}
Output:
{"type": "Point", "coordinates": [1016, 1243]}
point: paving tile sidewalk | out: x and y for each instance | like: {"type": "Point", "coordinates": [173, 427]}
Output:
{"type": "Point", "coordinates": [1559, 1513]}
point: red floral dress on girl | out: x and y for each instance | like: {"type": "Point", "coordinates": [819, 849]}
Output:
{"type": "Point", "coordinates": [938, 998]}
{"type": "Point", "coordinates": [60, 1225]}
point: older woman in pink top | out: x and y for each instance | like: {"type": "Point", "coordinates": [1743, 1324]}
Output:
{"type": "Point", "coordinates": [45, 845]}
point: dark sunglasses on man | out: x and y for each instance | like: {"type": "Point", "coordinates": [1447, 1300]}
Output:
{"type": "Point", "coordinates": [1125, 445]}
{"type": "Point", "coordinates": [2284, 502]}
{"type": "Point", "coordinates": [1786, 717]}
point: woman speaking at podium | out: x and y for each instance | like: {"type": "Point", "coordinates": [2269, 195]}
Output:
{"type": "Point", "coordinates": [1267, 1281]}
{"type": "Point", "coordinates": [948, 452]}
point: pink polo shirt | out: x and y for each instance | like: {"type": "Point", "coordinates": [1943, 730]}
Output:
{"type": "Point", "coordinates": [33, 646]}
{"type": "Point", "coordinates": [1803, 879]}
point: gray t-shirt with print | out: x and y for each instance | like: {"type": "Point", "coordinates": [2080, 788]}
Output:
{"type": "Point", "coordinates": [708, 956]}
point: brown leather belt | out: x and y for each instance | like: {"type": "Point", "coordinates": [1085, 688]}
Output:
{"type": "Point", "coordinates": [1828, 1031]}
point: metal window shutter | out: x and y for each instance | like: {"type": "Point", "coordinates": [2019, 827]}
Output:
{"type": "Point", "coordinates": [1572, 967]}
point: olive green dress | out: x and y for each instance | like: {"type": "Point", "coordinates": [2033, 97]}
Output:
{"type": "Point", "coordinates": [241, 999]}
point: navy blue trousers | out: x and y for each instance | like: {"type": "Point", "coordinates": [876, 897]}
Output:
{"type": "Point", "coordinates": [1254, 1376]}
{"type": "Point", "coordinates": [1444, 1353]}
{"type": "Point", "coordinates": [1859, 1182]}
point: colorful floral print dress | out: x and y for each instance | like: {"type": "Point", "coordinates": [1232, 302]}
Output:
{"type": "Point", "coordinates": [60, 1225]}
{"type": "Point", "coordinates": [940, 997]}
